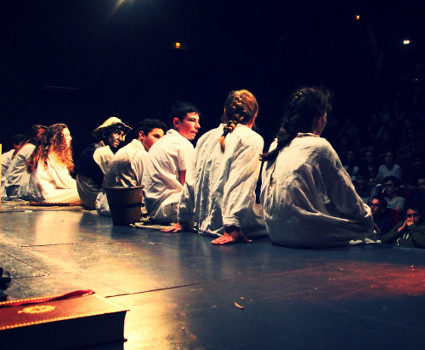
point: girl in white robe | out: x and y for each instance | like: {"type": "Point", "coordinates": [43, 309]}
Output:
{"type": "Point", "coordinates": [220, 194]}
{"type": "Point", "coordinates": [49, 168]}
{"type": "Point", "coordinates": [307, 196]}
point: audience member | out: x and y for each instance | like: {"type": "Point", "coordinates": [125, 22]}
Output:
{"type": "Point", "coordinates": [168, 164]}
{"type": "Point", "coordinates": [419, 196]}
{"type": "Point", "coordinates": [350, 164]}
{"type": "Point", "coordinates": [95, 159]}
{"type": "Point", "coordinates": [364, 189]}
{"type": "Point", "coordinates": [392, 187]}
{"type": "Point", "coordinates": [308, 197]}
{"type": "Point", "coordinates": [382, 216]}
{"type": "Point", "coordinates": [369, 166]}
{"type": "Point", "coordinates": [127, 166]}
{"type": "Point", "coordinates": [220, 196]}
{"type": "Point", "coordinates": [389, 168]}
{"type": "Point", "coordinates": [408, 233]}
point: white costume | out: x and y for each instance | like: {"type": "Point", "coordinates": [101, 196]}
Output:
{"type": "Point", "coordinates": [51, 183]}
{"type": "Point", "coordinates": [17, 172]}
{"type": "Point", "coordinates": [309, 200]}
{"type": "Point", "coordinates": [125, 170]}
{"type": "Point", "coordinates": [162, 187]}
{"type": "Point", "coordinates": [6, 159]}
{"type": "Point", "coordinates": [221, 190]}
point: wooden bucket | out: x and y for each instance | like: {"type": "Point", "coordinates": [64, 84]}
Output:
{"type": "Point", "coordinates": [125, 204]}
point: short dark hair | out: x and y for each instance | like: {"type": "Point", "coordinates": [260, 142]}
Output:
{"type": "Point", "coordinates": [396, 181]}
{"type": "Point", "coordinates": [180, 109]}
{"type": "Point", "coordinates": [147, 125]}
{"type": "Point", "coordinates": [413, 206]}
{"type": "Point", "coordinates": [381, 200]}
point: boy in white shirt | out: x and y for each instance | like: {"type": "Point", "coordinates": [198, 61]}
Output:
{"type": "Point", "coordinates": [169, 162]}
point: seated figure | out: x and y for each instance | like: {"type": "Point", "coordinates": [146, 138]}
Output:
{"type": "Point", "coordinates": [383, 217]}
{"type": "Point", "coordinates": [6, 159]}
{"type": "Point", "coordinates": [127, 166]}
{"type": "Point", "coordinates": [220, 195]}
{"type": "Point", "coordinates": [168, 164]}
{"type": "Point", "coordinates": [49, 168]}
{"type": "Point", "coordinates": [409, 232]}
{"type": "Point", "coordinates": [16, 173]}
{"type": "Point", "coordinates": [391, 193]}
{"type": "Point", "coordinates": [307, 196]}
{"type": "Point", "coordinates": [96, 158]}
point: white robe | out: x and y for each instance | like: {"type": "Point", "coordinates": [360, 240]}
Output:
{"type": "Point", "coordinates": [309, 200]}
{"type": "Point", "coordinates": [125, 170]}
{"type": "Point", "coordinates": [221, 190]}
{"type": "Point", "coordinates": [17, 172]}
{"type": "Point", "coordinates": [6, 159]}
{"type": "Point", "coordinates": [162, 187]}
{"type": "Point", "coordinates": [51, 183]}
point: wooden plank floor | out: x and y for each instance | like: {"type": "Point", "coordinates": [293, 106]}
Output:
{"type": "Point", "coordinates": [181, 291]}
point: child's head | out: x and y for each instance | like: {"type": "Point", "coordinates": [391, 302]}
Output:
{"type": "Point", "coordinates": [240, 107]}
{"type": "Point", "coordinates": [185, 118]}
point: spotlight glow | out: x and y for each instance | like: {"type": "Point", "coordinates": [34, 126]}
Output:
{"type": "Point", "coordinates": [406, 42]}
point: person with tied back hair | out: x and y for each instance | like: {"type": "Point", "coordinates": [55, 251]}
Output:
{"type": "Point", "coordinates": [220, 196]}
{"type": "Point", "coordinates": [49, 168]}
{"type": "Point", "coordinates": [307, 196]}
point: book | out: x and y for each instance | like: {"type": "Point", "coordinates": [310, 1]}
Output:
{"type": "Point", "coordinates": [60, 322]}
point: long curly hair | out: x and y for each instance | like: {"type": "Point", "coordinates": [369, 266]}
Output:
{"type": "Point", "coordinates": [52, 143]}
{"type": "Point", "coordinates": [239, 108]}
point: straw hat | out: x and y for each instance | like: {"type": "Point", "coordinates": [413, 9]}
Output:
{"type": "Point", "coordinates": [111, 121]}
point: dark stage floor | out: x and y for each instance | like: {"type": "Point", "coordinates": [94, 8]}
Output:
{"type": "Point", "coordinates": [181, 291]}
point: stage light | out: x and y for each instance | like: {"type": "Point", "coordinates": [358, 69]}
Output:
{"type": "Point", "coordinates": [177, 45]}
{"type": "Point", "coordinates": [406, 42]}
{"type": "Point", "coordinates": [357, 17]}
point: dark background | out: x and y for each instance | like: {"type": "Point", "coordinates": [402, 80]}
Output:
{"type": "Point", "coordinates": [80, 61]}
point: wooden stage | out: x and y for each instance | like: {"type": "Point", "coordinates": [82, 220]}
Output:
{"type": "Point", "coordinates": [184, 293]}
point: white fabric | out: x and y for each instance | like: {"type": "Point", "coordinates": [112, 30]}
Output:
{"type": "Point", "coordinates": [162, 187]}
{"type": "Point", "coordinates": [6, 159]}
{"type": "Point", "coordinates": [394, 171]}
{"type": "Point", "coordinates": [51, 183]}
{"type": "Point", "coordinates": [125, 170]}
{"type": "Point", "coordinates": [222, 188]}
{"type": "Point", "coordinates": [308, 198]}
{"type": "Point", "coordinates": [103, 157]}
{"type": "Point", "coordinates": [397, 203]}
{"type": "Point", "coordinates": [17, 172]}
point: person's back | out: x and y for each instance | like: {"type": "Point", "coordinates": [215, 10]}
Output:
{"type": "Point", "coordinates": [224, 182]}
{"type": "Point", "coordinates": [307, 196]}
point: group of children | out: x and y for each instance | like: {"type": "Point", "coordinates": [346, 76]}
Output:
{"type": "Point", "coordinates": [307, 197]}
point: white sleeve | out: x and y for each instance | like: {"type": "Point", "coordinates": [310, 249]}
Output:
{"type": "Point", "coordinates": [242, 181]}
